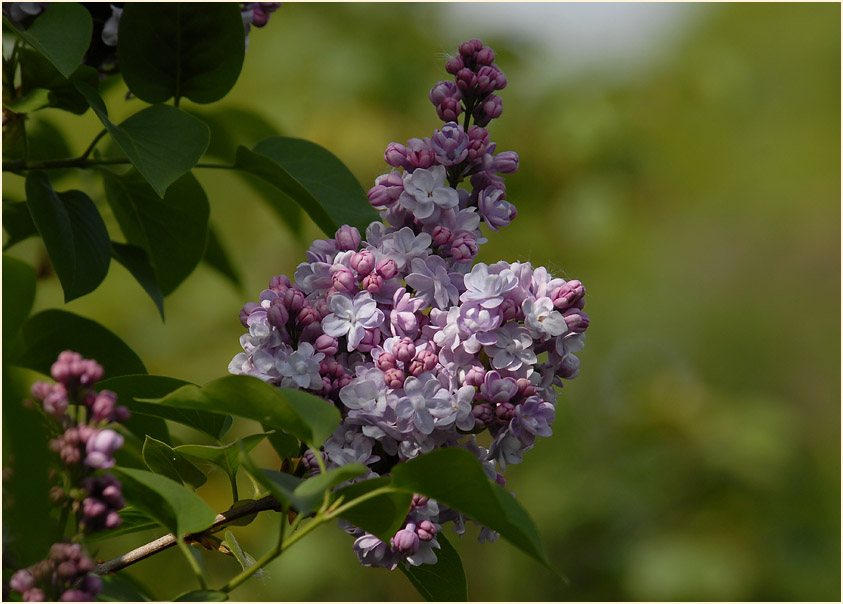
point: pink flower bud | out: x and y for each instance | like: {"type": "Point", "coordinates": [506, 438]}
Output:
{"type": "Point", "coordinates": [505, 162]}
{"type": "Point", "coordinates": [441, 235]}
{"type": "Point", "coordinates": [567, 294]}
{"type": "Point", "coordinates": [279, 284]}
{"type": "Point", "coordinates": [454, 64]}
{"type": "Point", "coordinates": [371, 338]}
{"type": "Point", "coordinates": [467, 49]}
{"type": "Point", "coordinates": [386, 361]}
{"type": "Point", "coordinates": [485, 56]}
{"type": "Point", "coordinates": [449, 109]}
{"type": "Point", "coordinates": [464, 247]}
{"type": "Point", "coordinates": [474, 376]}
{"type": "Point", "coordinates": [344, 280]}
{"type": "Point", "coordinates": [386, 268]}
{"type": "Point", "coordinates": [307, 316]}
{"type": "Point", "coordinates": [426, 530]}
{"type": "Point", "coordinates": [326, 344]}
{"type": "Point", "coordinates": [393, 378]}
{"type": "Point", "coordinates": [372, 283]}
{"type": "Point", "coordinates": [363, 262]}
{"type": "Point", "coordinates": [396, 155]}
{"type": "Point", "coordinates": [576, 320]}
{"type": "Point", "coordinates": [404, 350]}
{"type": "Point", "coordinates": [466, 80]}
{"type": "Point", "coordinates": [277, 314]}
{"type": "Point", "coordinates": [525, 387]}
{"type": "Point", "coordinates": [348, 237]}
{"type": "Point", "coordinates": [294, 299]}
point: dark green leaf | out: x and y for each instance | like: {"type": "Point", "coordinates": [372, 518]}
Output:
{"type": "Point", "coordinates": [305, 416]}
{"type": "Point", "coordinates": [171, 230]}
{"type": "Point", "coordinates": [312, 176]}
{"type": "Point", "coordinates": [162, 142]}
{"type": "Point", "coordinates": [136, 262]}
{"type": "Point", "coordinates": [121, 588]}
{"type": "Point", "coordinates": [17, 221]}
{"type": "Point", "coordinates": [454, 477]}
{"type": "Point", "coordinates": [49, 332]}
{"type": "Point", "coordinates": [19, 294]}
{"type": "Point", "coordinates": [133, 521]}
{"type": "Point", "coordinates": [234, 126]}
{"type": "Point", "coordinates": [284, 444]}
{"type": "Point", "coordinates": [27, 527]}
{"type": "Point", "coordinates": [217, 258]}
{"type": "Point", "coordinates": [227, 456]}
{"type": "Point", "coordinates": [203, 596]}
{"type": "Point", "coordinates": [279, 484]}
{"type": "Point", "coordinates": [443, 581]}
{"type": "Point", "coordinates": [37, 72]}
{"type": "Point", "coordinates": [73, 232]}
{"type": "Point", "coordinates": [176, 508]}
{"type": "Point", "coordinates": [314, 488]}
{"type": "Point", "coordinates": [129, 388]}
{"type": "Point", "coordinates": [62, 34]}
{"type": "Point", "coordinates": [382, 515]}
{"type": "Point", "coordinates": [192, 50]}
{"type": "Point", "coordinates": [162, 459]}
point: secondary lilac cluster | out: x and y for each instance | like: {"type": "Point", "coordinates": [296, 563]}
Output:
{"type": "Point", "coordinates": [67, 572]}
{"type": "Point", "coordinates": [416, 347]}
{"type": "Point", "coordinates": [84, 444]}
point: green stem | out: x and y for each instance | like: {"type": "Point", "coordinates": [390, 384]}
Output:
{"type": "Point", "coordinates": [266, 559]}
{"type": "Point", "coordinates": [83, 162]}
{"type": "Point", "coordinates": [233, 479]}
{"type": "Point", "coordinates": [93, 144]}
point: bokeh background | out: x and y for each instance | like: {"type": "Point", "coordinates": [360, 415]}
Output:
{"type": "Point", "coordinates": [680, 160]}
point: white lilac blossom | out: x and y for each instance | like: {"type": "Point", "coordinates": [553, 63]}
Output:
{"type": "Point", "coordinates": [417, 348]}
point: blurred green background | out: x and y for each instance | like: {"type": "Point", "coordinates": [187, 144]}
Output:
{"type": "Point", "coordinates": [695, 190]}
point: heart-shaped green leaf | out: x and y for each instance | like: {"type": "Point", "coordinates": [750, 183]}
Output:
{"type": "Point", "coordinates": [172, 231]}
{"type": "Point", "coordinates": [443, 581]}
{"type": "Point", "coordinates": [50, 332]}
{"type": "Point", "coordinates": [226, 456]}
{"type": "Point", "coordinates": [62, 34]}
{"type": "Point", "coordinates": [178, 49]}
{"type": "Point", "coordinates": [314, 178]}
{"type": "Point", "coordinates": [135, 260]}
{"type": "Point", "coordinates": [73, 232]}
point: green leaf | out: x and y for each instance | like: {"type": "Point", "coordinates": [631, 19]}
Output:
{"type": "Point", "coordinates": [242, 557]}
{"type": "Point", "coordinates": [443, 581]}
{"type": "Point", "coordinates": [162, 459]}
{"type": "Point", "coordinates": [203, 595]}
{"type": "Point", "coordinates": [312, 176]}
{"type": "Point", "coordinates": [162, 142]}
{"type": "Point", "coordinates": [314, 488]}
{"type": "Point", "coordinates": [17, 221]}
{"type": "Point", "coordinates": [227, 456]}
{"type": "Point", "coordinates": [217, 258]}
{"type": "Point", "coordinates": [19, 286]}
{"type": "Point", "coordinates": [129, 388]}
{"type": "Point", "coordinates": [305, 416]}
{"type": "Point", "coordinates": [73, 232]}
{"type": "Point", "coordinates": [192, 50]}
{"type": "Point", "coordinates": [136, 262]}
{"type": "Point", "coordinates": [62, 34]}
{"type": "Point", "coordinates": [279, 484]}
{"type": "Point", "coordinates": [121, 588]}
{"type": "Point", "coordinates": [26, 458]}
{"type": "Point", "coordinates": [454, 477]}
{"type": "Point", "coordinates": [172, 230]}
{"type": "Point", "coordinates": [38, 73]}
{"type": "Point", "coordinates": [176, 508]}
{"type": "Point", "coordinates": [284, 444]}
{"type": "Point", "coordinates": [49, 332]}
{"type": "Point", "coordinates": [382, 515]}
{"type": "Point", "coordinates": [133, 521]}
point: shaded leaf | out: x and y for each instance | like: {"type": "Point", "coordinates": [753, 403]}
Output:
{"type": "Point", "coordinates": [314, 178]}
{"type": "Point", "coordinates": [176, 508]}
{"type": "Point", "coordinates": [50, 332]}
{"type": "Point", "coordinates": [305, 416]}
{"type": "Point", "coordinates": [443, 581]}
{"type": "Point", "coordinates": [454, 477]}
{"type": "Point", "coordinates": [382, 515]}
{"type": "Point", "coordinates": [162, 459]}
{"type": "Point", "coordinates": [129, 388]}
{"type": "Point", "coordinates": [134, 259]}
{"type": "Point", "coordinates": [284, 444]}
{"type": "Point", "coordinates": [171, 230]}
{"type": "Point", "coordinates": [192, 50]}
{"type": "Point", "coordinates": [121, 588]}
{"type": "Point", "coordinates": [279, 484]}
{"type": "Point", "coordinates": [314, 488]}
{"type": "Point", "coordinates": [17, 221]}
{"type": "Point", "coordinates": [73, 232]}
{"type": "Point", "coordinates": [19, 295]}
{"type": "Point", "coordinates": [133, 521]}
{"type": "Point", "coordinates": [162, 142]}
{"type": "Point", "coordinates": [217, 258]}
{"type": "Point", "coordinates": [227, 456]}
{"type": "Point", "coordinates": [243, 558]}
{"type": "Point", "coordinates": [37, 72]}
{"type": "Point", "coordinates": [62, 34]}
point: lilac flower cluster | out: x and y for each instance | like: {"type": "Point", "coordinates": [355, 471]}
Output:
{"type": "Point", "coordinates": [416, 347]}
{"type": "Point", "coordinates": [84, 444]}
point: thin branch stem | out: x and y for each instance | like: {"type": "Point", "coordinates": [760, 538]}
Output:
{"type": "Point", "coordinates": [83, 161]}
{"type": "Point", "coordinates": [93, 144]}
{"type": "Point", "coordinates": [169, 540]}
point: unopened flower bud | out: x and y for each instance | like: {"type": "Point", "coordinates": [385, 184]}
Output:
{"type": "Point", "coordinates": [396, 155]}
{"type": "Point", "coordinates": [441, 235]}
{"type": "Point", "coordinates": [505, 412]}
{"type": "Point", "coordinates": [307, 316]}
{"type": "Point", "coordinates": [426, 530]}
{"type": "Point", "coordinates": [348, 237]}
{"type": "Point", "coordinates": [442, 91]}
{"type": "Point", "coordinates": [280, 283]}
{"type": "Point", "coordinates": [327, 345]}
{"type": "Point", "coordinates": [393, 378]}
{"type": "Point", "coordinates": [419, 501]}
{"type": "Point", "coordinates": [387, 268]}
{"type": "Point", "coordinates": [489, 109]}
{"type": "Point", "coordinates": [525, 387]}
{"type": "Point", "coordinates": [40, 391]}
{"type": "Point", "coordinates": [386, 361]}
{"type": "Point", "coordinates": [568, 294]}
{"type": "Point", "coordinates": [104, 405]}
{"type": "Point", "coordinates": [449, 109]}
{"type": "Point", "coordinates": [467, 49]}
{"type": "Point", "coordinates": [576, 320]}
{"type": "Point", "coordinates": [277, 314]}
{"type": "Point", "coordinates": [247, 310]}
{"type": "Point", "coordinates": [485, 56]}
{"type": "Point", "coordinates": [363, 262]}
{"type": "Point", "coordinates": [454, 64]}
{"type": "Point", "coordinates": [344, 280]}
{"type": "Point", "coordinates": [406, 541]}
{"type": "Point", "coordinates": [483, 414]}
{"type": "Point", "coordinates": [466, 80]}
{"type": "Point", "coordinates": [464, 247]}
{"type": "Point", "coordinates": [372, 283]}
{"type": "Point", "coordinates": [294, 299]}
{"type": "Point", "coordinates": [474, 376]}
{"type": "Point", "coordinates": [404, 350]}
{"type": "Point", "coordinates": [505, 162]}
{"type": "Point", "coordinates": [22, 581]}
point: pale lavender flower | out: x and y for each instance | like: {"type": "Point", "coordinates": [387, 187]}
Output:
{"type": "Point", "coordinates": [404, 245]}
{"type": "Point", "coordinates": [532, 418]}
{"type": "Point", "coordinates": [513, 349]}
{"type": "Point", "coordinates": [402, 317]}
{"type": "Point", "coordinates": [100, 447]}
{"type": "Point", "coordinates": [450, 144]}
{"type": "Point", "coordinates": [351, 317]}
{"type": "Point", "coordinates": [301, 368]}
{"type": "Point", "coordinates": [542, 319]}
{"type": "Point", "coordinates": [496, 211]}
{"type": "Point", "coordinates": [425, 192]}
{"type": "Point", "coordinates": [432, 281]}
{"type": "Point", "coordinates": [486, 288]}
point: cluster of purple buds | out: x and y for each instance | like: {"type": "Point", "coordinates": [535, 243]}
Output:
{"type": "Point", "coordinates": [476, 78]}
{"type": "Point", "coordinates": [66, 576]}
{"type": "Point", "coordinates": [417, 348]}
{"type": "Point", "coordinates": [257, 14]}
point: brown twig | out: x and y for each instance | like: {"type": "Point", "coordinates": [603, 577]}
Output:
{"type": "Point", "coordinates": [145, 551]}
